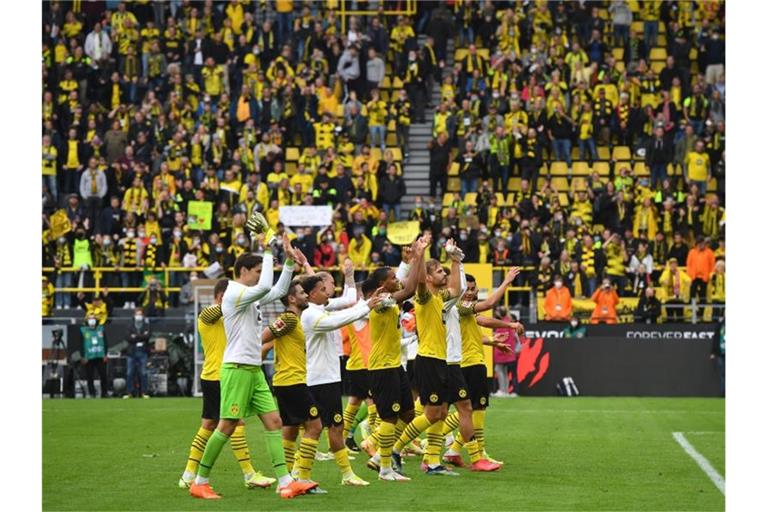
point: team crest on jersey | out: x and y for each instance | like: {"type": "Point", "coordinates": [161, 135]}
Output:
{"type": "Point", "coordinates": [337, 418]}
{"type": "Point", "coordinates": [483, 400]}
{"type": "Point", "coordinates": [279, 324]}
{"type": "Point", "coordinates": [433, 398]}
{"type": "Point", "coordinates": [234, 410]}
{"type": "Point", "coordinates": [395, 407]}
{"type": "Point", "coordinates": [462, 393]}
{"type": "Point", "coordinates": [313, 412]}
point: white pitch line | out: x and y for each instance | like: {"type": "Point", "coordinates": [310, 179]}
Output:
{"type": "Point", "coordinates": [703, 463]}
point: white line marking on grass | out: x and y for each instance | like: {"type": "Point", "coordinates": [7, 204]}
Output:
{"type": "Point", "coordinates": [602, 411]}
{"type": "Point", "coordinates": [703, 463]}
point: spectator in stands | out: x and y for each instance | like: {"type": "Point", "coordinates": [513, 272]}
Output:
{"type": "Point", "coordinates": [470, 168]}
{"type": "Point", "coordinates": [100, 306]}
{"type": "Point", "coordinates": [139, 333]}
{"type": "Point", "coordinates": [392, 190]}
{"type": "Point", "coordinates": [648, 308]}
{"type": "Point", "coordinates": [658, 155]}
{"type": "Point", "coordinates": [716, 288]}
{"type": "Point", "coordinates": [622, 19]}
{"type": "Point", "coordinates": [606, 300]}
{"type": "Point", "coordinates": [699, 266]}
{"type": "Point", "coordinates": [557, 304]}
{"type": "Point", "coordinates": [48, 297]}
{"type": "Point", "coordinates": [676, 287]}
{"type": "Point", "coordinates": [698, 170]}
{"type": "Point", "coordinates": [439, 162]}
{"type": "Point", "coordinates": [153, 300]}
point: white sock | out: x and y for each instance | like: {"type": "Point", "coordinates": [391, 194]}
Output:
{"type": "Point", "coordinates": [450, 452]}
{"type": "Point", "coordinates": [385, 471]}
{"type": "Point", "coordinates": [284, 480]}
{"type": "Point", "coordinates": [248, 476]}
{"type": "Point", "coordinates": [376, 457]}
{"type": "Point", "coordinates": [188, 476]}
{"type": "Point", "coordinates": [200, 480]}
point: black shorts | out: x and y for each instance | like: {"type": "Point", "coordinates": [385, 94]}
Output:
{"type": "Point", "coordinates": [431, 378]}
{"type": "Point", "coordinates": [211, 399]}
{"type": "Point", "coordinates": [296, 404]}
{"type": "Point", "coordinates": [359, 383]}
{"type": "Point", "coordinates": [327, 397]}
{"type": "Point", "coordinates": [476, 377]}
{"type": "Point", "coordinates": [411, 372]}
{"type": "Point", "coordinates": [456, 387]}
{"type": "Point", "coordinates": [391, 391]}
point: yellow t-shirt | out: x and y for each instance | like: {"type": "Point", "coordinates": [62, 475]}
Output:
{"type": "Point", "coordinates": [385, 338]}
{"type": "Point", "coordinates": [210, 325]}
{"type": "Point", "coordinates": [213, 80]}
{"type": "Point", "coordinates": [472, 353]}
{"type": "Point", "coordinates": [305, 180]}
{"type": "Point", "coordinates": [290, 350]}
{"type": "Point", "coordinates": [698, 163]}
{"type": "Point", "coordinates": [430, 325]}
{"type": "Point", "coordinates": [377, 112]}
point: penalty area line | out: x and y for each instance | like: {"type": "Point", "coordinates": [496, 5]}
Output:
{"type": "Point", "coordinates": [702, 462]}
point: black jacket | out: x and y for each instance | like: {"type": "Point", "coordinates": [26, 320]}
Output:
{"type": "Point", "coordinates": [391, 191]}
{"type": "Point", "coordinates": [138, 338]}
{"type": "Point", "coordinates": [658, 155]}
{"type": "Point", "coordinates": [648, 310]}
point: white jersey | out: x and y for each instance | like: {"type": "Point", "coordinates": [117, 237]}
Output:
{"type": "Point", "coordinates": [241, 308]}
{"type": "Point", "coordinates": [322, 353]}
{"type": "Point", "coordinates": [347, 300]}
{"type": "Point", "coordinates": [452, 325]}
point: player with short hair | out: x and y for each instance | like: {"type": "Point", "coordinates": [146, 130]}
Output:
{"type": "Point", "coordinates": [210, 325]}
{"type": "Point", "coordinates": [323, 370]}
{"type": "Point", "coordinates": [244, 389]}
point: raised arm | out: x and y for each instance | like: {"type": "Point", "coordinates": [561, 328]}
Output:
{"type": "Point", "coordinates": [417, 251]}
{"type": "Point", "coordinates": [457, 271]}
{"type": "Point", "coordinates": [498, 293]}
{"type": "Point", "coordinates": [349, 297]}
{"type": "Point", "coordinates": [327, 321]}
{"type": "Point", "coordinates": [495, 323]}
{"type": "Point", "coordinates": [253, 293]}
{"type": "Point", "coordinates": [284, 282]}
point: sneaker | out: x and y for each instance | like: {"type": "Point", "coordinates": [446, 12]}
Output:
{"type": "Point", "coordinates": [441, 471]}
{"type": "Point", "coordinates": [317, 490]}
{"type": "Point", "coordinates": [514, 395]}
{"type": "Point", "coordinates": [145, 397]}
{"type": "Point", "coordinates": [393, 476]}
{"type": "Point", "coordinates": [323, 456]}
{"type": "Point", "coordinates": [203, 491]}
{"type": "Point", "coordinates": [259, 480]}
{"type": "Point", "coordinates": [484, 465]}
{"type": "Point", "coordinates": [354, 481]}
{"type": "Point", "coordinates": [373, 465]}
{"type": "Point", "coordinates": [367, 446]}
{"type": "Point", "coordinates": [185, 484]}
{"type": "Point", "coordinates": [295, 488]}
{"type": "Point", "coordinates": [413, 449]}
{"type": "Point", "coordinates": [351, 445]}
{"type": "Point", "coordinates": [454, 460]}
{"type": "Point", "coordinates": [397, 462]}
{"type": "Point", "coordinates": [126, 397]}
{"type": "Point", "coordinates": [489, 458]}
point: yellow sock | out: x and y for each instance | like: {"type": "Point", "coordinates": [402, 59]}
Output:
{"type": "Point", "coordinates": [289, 449]}
{"type": "Point", "coordinates": [342, 460]}
{"type": "Point", "coordinates": [373, 417]}
{"type": "Point", "coordinates": [451, 423]}
{"type": "Point", "coordinates": [411, 432]}
{"type": "Point", "coordinates": [350, 411]}
{"type": "Point", "coordinates": [197, 448]}
{"type": "Point", "coordinates": [240, 449]}
{"type": "Point", "coordinates": [418, 408]}
{"type": "Point", "coordinates": [307, 450]}
{"type": "Point", "coordinates": [386, 442]}
{"type": "Point", "coordinates": [327, 439]}
{"type": "Point", "coordinates": [478, 422]}
{"type": "Point", "coordinates": [434, 443]}
{"type": "Point", "coordinates": [399, 427]}
{"type": "Point", "coordinates": [458, 442]}
{"type": "Point", "coordinates": [374, 439]}
{"type": "Point", "coordinates": [474, 452]}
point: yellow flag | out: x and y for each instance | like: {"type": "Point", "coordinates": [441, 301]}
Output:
{"type": "Point", "coordinates": [403, 233]}
{"type": "Point", "coordinates": [60, 224]}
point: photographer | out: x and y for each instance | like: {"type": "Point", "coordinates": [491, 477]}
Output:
{"type": "Point", "coordinates": [153, 300]}
{"type": "Point", "coordinates": [94, 353]}
{"type": "Point", "coordinates": [606, 300]}
{"type": "Point", "coordinates": [138, 349]}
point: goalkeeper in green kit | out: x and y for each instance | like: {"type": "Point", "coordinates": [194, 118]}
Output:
{"type": "Point", "coordinates": [244, 389]}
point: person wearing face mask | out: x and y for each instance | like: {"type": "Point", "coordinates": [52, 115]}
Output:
{"type": "Point", "coordinates": [557, 304]}
{"type": "Point", "coordinates": [138, 349]}
{"type": "Point", "coordinates": [153, 300]}
{"type": "Point", "coordinates": [575, 329]}
{"type": "Point", "coordinates": [130, 258]}
{"type": "Point", "coordinates": [606, 300]}
{"type": "Point", "coordinates": [94, 354]}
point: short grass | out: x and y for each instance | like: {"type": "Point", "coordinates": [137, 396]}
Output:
{"type": "Point", "coordinates": [561, 454]}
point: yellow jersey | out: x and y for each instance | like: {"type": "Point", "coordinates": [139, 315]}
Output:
{"type": "Point", "coordinates": [290, 350]}
{"type": "Point", "coordinates": [385, 336]}
{"type": "Point", "coordinates": [359, 344]}
{"type": "Point", "coordinates": [698, 165]}
{"type": "Point", "coordinates": [471, 337]}
{"type": "Point", "coordinates": [210, 325]}
{"type": "Point", "coordinates": [430, 325]}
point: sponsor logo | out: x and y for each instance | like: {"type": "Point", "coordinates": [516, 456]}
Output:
{"type": "Point", "coordinates": [543, 334]}
{"type": "Point", "coordinates": [531, 362]}
{"type": "Point", "coordinates": [670, 335]}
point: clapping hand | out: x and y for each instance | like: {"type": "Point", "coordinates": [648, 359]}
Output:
{"type": "Point", "coordinates": [349, 267]}
{"type": "Point", "coordinates": [299, 257]}
{"type": "Point", "coordinates": [512, 274]}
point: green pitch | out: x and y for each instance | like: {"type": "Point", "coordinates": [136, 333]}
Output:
{"type": "Point", "coordinates": [560, 454]}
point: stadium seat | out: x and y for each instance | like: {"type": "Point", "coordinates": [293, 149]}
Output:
{"type": "Point", "coordinates": [470, 199]}
{"type": "Point", "coordinates": [291, 154]}
{"type": "Point", "coordinates": [391, 139]}
{"type": "Point", "coordinates": [563, 198]}
{"type": "Point", "coordinates": [661, 40]}
{"type": "Point", "coordinates": [618, 166]}
{"type": "Point", "coordinates": [618, 53]}
{"type": "Point", "coordinates": [454, 185]}
{"type": "Point", "coordinates": [386, 83]}
{"type": "Point", "coordinates": [601, 168]}
{"type": "Point", "coordinates": [397, 83]}
{"type": "Point", "coordinates": [397, 153]}
{"type": "Point", "coordinates": [637, 26]}
{"type": "Point", "coordinates": [657, 66]}
{"type": "Point", "coordinates": [603, 153]}
{"type": "Point", "coordinates": [658, 54]}
{"type": "Point", "coordinates": [560, 184]}
{"type": "Point", "coordinates": [340, 111]}
{"type": "Point", "coordinates": [500, 199]}
{"type": "Point", "coordinates": [581, 169]}
{"type": "Point", "coordinates": [712, 185]}
{"type": "Point", "coordinates": [392, 126]}
{"type": "Point", "coordinates": [579, 184]}
{"type": "Point", "coordinates": [641, 170]}
{"type": "Point", "coordinates": [290, 168]}
{"type": "Point", "coordinates": [621, 153]}
{"type": "Point", "coordinates": [649, 99]}
{"type": "Point", "coordinates": [634, 6]}
{"type": "Point", "coordinates": [453, 170]}
{"type": "Point", "coordinates": [513, 184]}
{"type": "Point", "coordinates": [558, 169]}
{"type": "Point", "coordinates": [376, 153]}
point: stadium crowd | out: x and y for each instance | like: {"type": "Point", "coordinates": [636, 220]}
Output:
{"type": "Point", "coordinates": [584, 141]}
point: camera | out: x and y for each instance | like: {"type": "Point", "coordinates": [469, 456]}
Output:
{"type": "Point", "coordinates": [58, 336]}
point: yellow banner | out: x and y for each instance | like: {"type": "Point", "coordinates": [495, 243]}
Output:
{"type": "Point", "coordinates": [403, 233]}
{"type": "Point", "coordinates": [60, 224]}
{"type": "Point", "coordinates": [483, 274]}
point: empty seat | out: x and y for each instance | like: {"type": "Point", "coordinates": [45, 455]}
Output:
{"type": "Point", "coordinates": [657, 66]}
{"type": "Point", "coordinates": [397, 153]}
{"type": "Point", "coordinates": [454, 185]}
{"type": "Point", "coordinates": [470, 199]}
{"type": "Point", "coordinates": [641, 169]}
{"type": "Point", "coordinates": [558, 168]}
{"type": "Point", "coordinates": [658, 53]}
{"type": "Point", "coordinates": [513, 184]}
{"type": "Point", "coordinates": [560, 184]}
{"type": "Point", "coordinates": [290, 168]}
{"type": "Point", "coordinates": [601, 168]}
{"type": "Point", "coordinates": [618, 166]}
{"type": "Point", "coordinates": [291, 154]}
{"type": "Point", "coordinates": [500, 199]}
{"type": "Point", "coordinates": [603, 153]}
{"type": "Point", "coordinates": [618, 53]}
{"type": "Point", "coordinates": [621, 153]}
{"type": "Point", "coordinates": [581, 169]}
{"type": "Point", "coordinates": [453, 170]}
